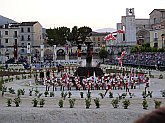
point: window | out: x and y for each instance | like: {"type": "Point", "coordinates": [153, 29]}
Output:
{"type": "Point", "coordinates": [154, 20]}
{"type": "Point", "coordinates": [6, 40]}
{"type": "Point", "coordinates": [22, 30]}
{"type": "Point", "coordinates": [22, 37]}
{"type": "Point", "coordinates": [15, 41]}
{"type": "Point", "coordinates": [22, 44]}
{"type": "Point", "coordinates": [0, 34]}
{"type": "Point", "coordinates": [15, 33]}
{"type": "Point", "coordinates": [155, 45]}
{"type": "Point", "coordinates": [28, 43]}
{"type": "Point", "coordinates": [6, 32]}
{"type": "Point", "coordinates": [98, 38]}
{"type": "Point", "coordinates": [28, 37]}
{"type": "Point", "coordinates": [22, 50]}
{"type": "Point", "coordinates": [156, 35]}
{"type": "Point", "coordinates": [93, 38]}
{"type": "Point", "coordinates": [28, 30]}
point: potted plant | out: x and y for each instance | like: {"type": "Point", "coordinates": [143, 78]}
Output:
{"type": "Point", "coordinates": [17, 101]}
{"type": "Point", "coordinates": [51, 94]}
{"type": "Point", "coordinates": [160, 76]}
{"type": "Point", "coordinates": [42, 103]}
{"type": "Point", "coordinates": [126, 103]}
{"type": "Point", "coordinates": [87, 102]}
{"type": "Point", "coordinates": [150, 94]}
{"type": "Point", "coordinates": [39, 95]}
{"type": "Point", "coordinates": [115, 103]}
{"type": "Point", "coordinates": [69, 94]}
{"type": "Point", "coordinates": [102, 95]}
{"type": "Point", "coordinates": [145, 104]}
{"type": "Point", "coordinates": [124, 95]}
{"type": "Point", "coordinates": [61, 103]}
{"type": "Point", "coordinates": [110, 94]}
{"type": "Point", "coordinates": [22, 91]}
{"type": "Point", "coordinates": [9, 101]}
{"type": "Point", "coordinates": [65, 94]}
{"type": "Point", "coordinates": [18, 92]}
{"type": "Point", "coordinates": [82, 94]}
{"type": "Point", "coordinates": [46, 93]}
{"type": "Point", "coordinates": [36, 92]}
{"type": "Point", "coordinates": [30, 92]}
{"type": "Point", "coordinates": [119, 97]}
{"type": "Point", "coordinates": [131, 94]}
{"type": "Point", "coordinates": [72, 102]}
{"type": "Point", "coordinates": [163, 93]}
{"type": "Point", "coordinates": [89, 95]}
{"type": "Point", "coordinates": [97, 102]}
{"type": "Point", "coordinates": [157, 104]}
{"type": "Point", "coordinates": [34, 102]}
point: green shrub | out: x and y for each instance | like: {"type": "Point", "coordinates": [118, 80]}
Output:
{"type": "Point", "coordinates": [61, 103]}
{"type": "Point", "coordinates": [97, 102]}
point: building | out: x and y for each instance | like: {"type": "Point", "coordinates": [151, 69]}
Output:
{"type": "Point", "coordinates": [157, 32]}
{"type": "Point", "coordinates": [98, 38]}
{"type": "Point", "coordinates": [140, 31]}
{"type": "Point", "coordinates": [128, 24]}
{"type": "Point", "coordinates": [17, 38]}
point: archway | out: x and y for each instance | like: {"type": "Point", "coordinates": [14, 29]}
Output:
{"type": "Point", "coordinates": [60, 54]}
{"type": "Point", "coordinates": [143, 36]}
{"type": "Point", "coordinates": [48, 55]}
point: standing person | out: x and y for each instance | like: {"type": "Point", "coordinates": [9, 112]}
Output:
{"type": "Point", "coordinates": [48, 74]}
{"type": "Point", "coordinates": [147, 81]}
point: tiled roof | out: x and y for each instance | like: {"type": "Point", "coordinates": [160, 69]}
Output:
{"type": "Point", "coordinates": [28, 23]}
{"type": "Point", "coordinates": [161, 10]}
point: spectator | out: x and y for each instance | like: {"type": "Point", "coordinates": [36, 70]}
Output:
{"type": "Point", "coordinates": [156, 116]}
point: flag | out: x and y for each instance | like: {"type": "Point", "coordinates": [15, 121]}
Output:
{"type": "Point", "coordinates": [42, 50]}
{"type": "Point", "coordinates": [120, 31]}
{"type": "Point", "coordinates": [94, 76]}
{"type": "Point", "coordinates": [28, 49]}
{"type": "Point", "coordinates": [109, 37]}
{"type": "Point", "coordinates": [54, 51]}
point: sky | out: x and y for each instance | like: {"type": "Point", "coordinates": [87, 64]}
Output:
{"type": "Point", "coordinates": [93, 13]}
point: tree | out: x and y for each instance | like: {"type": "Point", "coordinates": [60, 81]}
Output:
{"type": "Point", "coordinates": [103, 54]}
{"type": "Point", "coordinates": [74, 35]}
{"type": "Point", "coordinates": [57, 35]}
{"type": "Point", "coordinates": [84, 32]}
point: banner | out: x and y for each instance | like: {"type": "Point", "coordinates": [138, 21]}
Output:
{"type": "Point", "coordinates": [42, 50]}
{"type": "Point", "coordinates": [28, 49]}
{"type": "Point", "coordinates": [54, 52]}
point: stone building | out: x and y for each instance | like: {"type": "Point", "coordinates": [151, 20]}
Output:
{"type": "Point", "coordinates": [157, 32]}
{"type": "Point", "coordinates": [136, 30]}
{"type": "Point", "coordinates": [17, 38]}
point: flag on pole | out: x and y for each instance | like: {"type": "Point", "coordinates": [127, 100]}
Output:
{"type": "Point", "coordinates": [28, 49]}
{"type": "Point", "coordinates": [94, 76]}
{"type": "Point", "coordinates": [42, 50]}
{"type": "Point", "coordinates": [109, 37]}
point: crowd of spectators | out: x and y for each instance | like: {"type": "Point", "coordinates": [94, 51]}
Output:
{"type": "Point", "coordinates": [145, 58]}
{"type": "Point", "coordinates": [150, 59]}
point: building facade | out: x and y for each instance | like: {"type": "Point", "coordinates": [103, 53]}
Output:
{"type": "Point", "coordinates": [157, 32]}
{"type": "Point", "coordinates": [16, 38]}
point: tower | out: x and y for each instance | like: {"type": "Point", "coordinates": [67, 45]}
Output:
{"type": "Point", "coordinates": [129, 24]}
